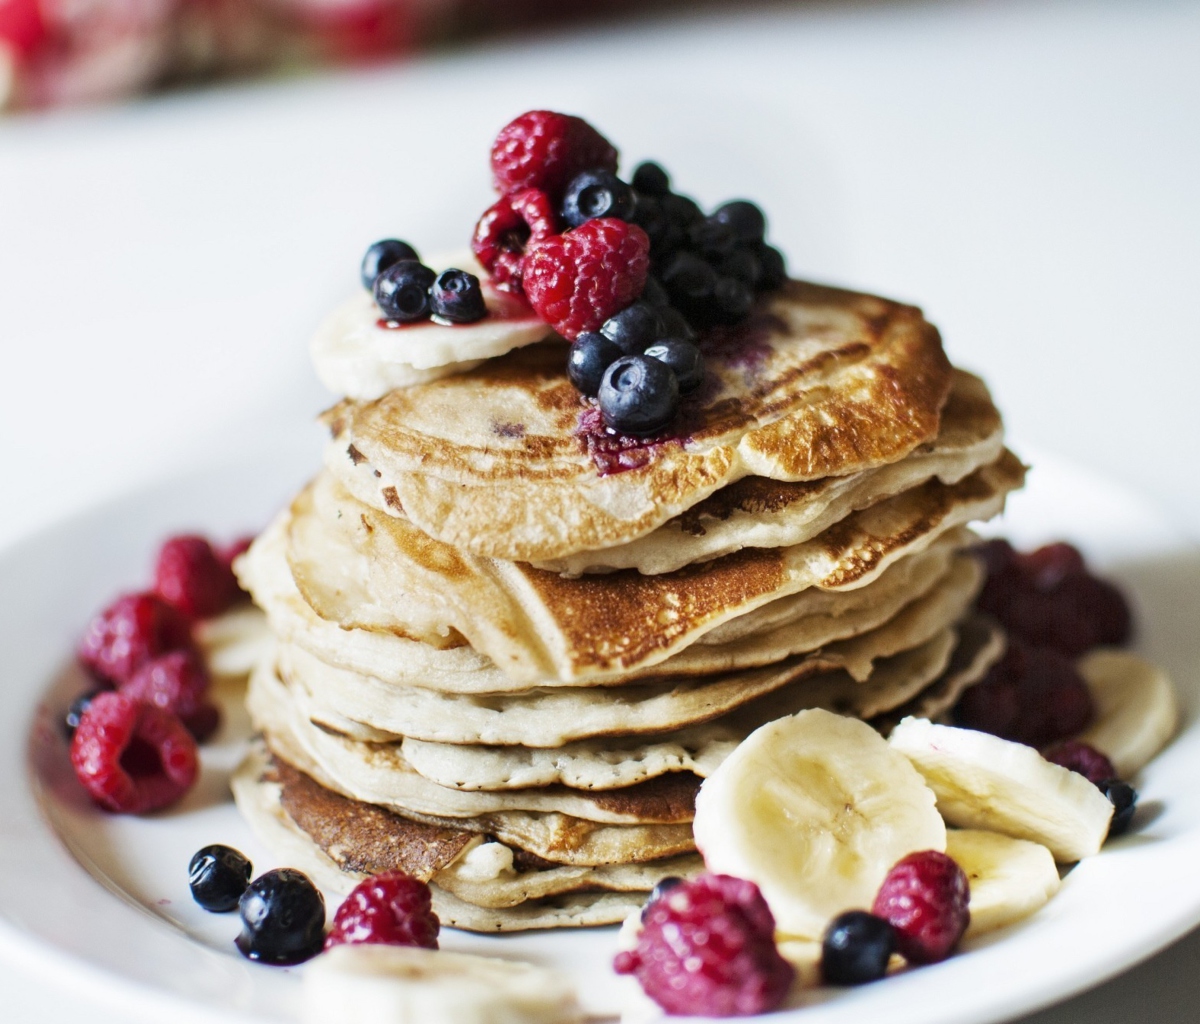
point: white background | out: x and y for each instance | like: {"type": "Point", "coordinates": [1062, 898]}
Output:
{"type": "Point", "coordinates": [1029, 173]}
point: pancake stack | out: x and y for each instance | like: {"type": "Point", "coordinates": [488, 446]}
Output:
{"type": "Point", "coordinates": [509, 644]}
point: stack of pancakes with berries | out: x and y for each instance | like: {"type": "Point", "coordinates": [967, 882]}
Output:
{"type": "Point", "coordinates": [601, 498]}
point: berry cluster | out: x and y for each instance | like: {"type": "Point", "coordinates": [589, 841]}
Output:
{"type": "Point", "coordinates": [407, 291]}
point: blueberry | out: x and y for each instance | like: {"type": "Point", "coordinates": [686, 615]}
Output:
{"type": "Point", "coordinates": [218, 875]}
{"type": "Point", "coordinates": [689, 281]}
{"type": "Point", "coordinates": [638, 395]}
{"type": "Point", "coordinates": [457, 297]}
{"type": "Point", "coordinates": [591, 354]}
{"type": "Point", "coordinates": [632, 329]}
{"type": "Point", "coordinates": [75, 711]}
{"type": "Point", "coordinates": [654, 293]}
{"type": "Point", "coordinates": [650, 179]}
{"type": "Point", "coordinates": [856, 948]}
{"type": "Point", "coordinates": [774, 267]}
{"type": "Point", "coordinates": [383, 255]}
{"type": "Point", "coordinates": [1124, 800]}
{"type": "Point", "coordinates": [712, 237]}
{"type": "Point", "coordinates": [402, 291]}
{"type": "Point", "coordinates": [649, 215]}
{"type": "Point", "coordinates": [661, 888]}
{"type": "Point", "coordinates": [674, 324]}
{"type": "Point", "coordinates": [283, 918]}
{"type": "Point", "coordinates": [682, 210]}
{"type": "Point", "coordinates": [744, 218]}
{"type": "Point", "coordinates": [743, 265]}
{"type": "Point", "coordinates": [733, 298]}
{"type": "Point", "coordinates": [596, 193]}
{"type": "Point", "coordinates": [683, 358]}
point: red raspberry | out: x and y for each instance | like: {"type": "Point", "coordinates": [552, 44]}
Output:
{"type": "Point", "coordinates": [131, 631]}
{"type": "Point", "coordinates": [707, 947]}
{"type": "Point", "coordinates": [542, 149]}
{"type": "Point", "coordinates": [577, 280]}
{"type": "Point", "coordinates": [176, 683]}
{"type": "Point", "coordinates": [22, 26]}
{"type": "Point", "coordinates": [1082, 758]}
{"type": "Point", "coordinates": [190, 575]}
{"type": "Point", "coordinates": [231, 550]}
{"type": "Point", "coordinates": [391, 908]}
{"type": "Point", "coordinates": [924, 897]}
{"type": "Point", "coordinates": [507, 228]}
{"type": "Point", "coordinates": [131, 757]}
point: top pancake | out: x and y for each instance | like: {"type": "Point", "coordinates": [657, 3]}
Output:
{"type": "Point", "coordinates": [509, 462]}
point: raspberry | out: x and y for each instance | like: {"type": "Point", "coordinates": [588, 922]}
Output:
{"type": "Point", "coordinates": [177, 683]}
{"type": "Point", "coordinates": [1082, 758]}
{"type": "Point", "coordinates": [391, 908]}
{"type": "Point", "coordinates": [192, 577]}
{"type": "Point", "coordinates": [22, 26]}
{"type": "Point", "coordinates": [132, 757]}
{"type": "Point", "coordinates": [707, 947]}
{"type": "Point", "coordinates": [542, 149]}
{"type": "Point", "coordinates": [506, 230]}
{"type": "Point", "coordinates": [924, 898]}
{"type": "Point", "coordinates": [577, 280]}
{"type": "Point", "coordinates": [131, 631]}
{"type": "Point", "coordinates": [203, 722]}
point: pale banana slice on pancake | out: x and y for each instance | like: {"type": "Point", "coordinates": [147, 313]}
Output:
{"type": "Point", "coordinates": [508, 461]}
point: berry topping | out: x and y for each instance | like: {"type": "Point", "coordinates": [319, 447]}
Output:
{"type": "Point", "coordinates": [402, 291]}
{"type": "Point", "coordinates": [382, 255]}
{"type": "Point", "coordinates": [924, 898]}
{"type": "Point", "coordinates": [457, 297]}
{"type": "Point", "coordinates": [132, 758]}
{"type": "Point", "coordinates": [507, 228]}
{"type": "Point", "coordinates": [590, 355]}
{"type": "Point", "coordinates": [1082, 758]}
{"type": "Point", "coordinates": [596, 193]}
{"type": "Point", "coordinates": [577, 280]}
{"type": "Point", "coordinates": [650, 179]}
{"type": "Point", "coordinates": [744, 219]}
{"type": "Point", "coordinates": [283, 918]}
{"type": "Point", "coordinates": [635, 327]}
{"type": "Point", "coordinates": [176, 682]}
{"type": "Point", "coordinates": [856, 948]}
{"type": "Point", "coordinates": [392, 908]}
{"type": "Point", "coordinates": [708, 947]}
{"type": "Point", "coordinates": [1124, 800]}
{"type": "Point", "coordinates": [638, 395]}
{"type": "Point", "coordinates": [194, 578]}
{"type": "Point", "coordinates": [131, 631]}
{"type": "Point", "coordinates": [1033, 695]}
{"type": "Point", "coordinates": [683, 358]}
{"type": "Point", "coordinates": [542, 149]}
{"type": "Point", "coordinates": [218, 875]}
{"type": "Point", "coordinates": [661, 888]}
{"type": "Point", "coordinates": [75, 711]}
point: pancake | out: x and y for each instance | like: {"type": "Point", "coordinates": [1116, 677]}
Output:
{"type": "Point", "coordinates": [507, 461]}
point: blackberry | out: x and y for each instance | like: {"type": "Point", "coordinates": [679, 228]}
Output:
{"type": "Point", "coordinates": [457, 297]}
{"type": "Point", "coordinates": [638, 395]}
{"type": "Point", "coordinates": [590, 355]}
{"type": "Point", "coordinates": [382, 255]}
{"type": "Point", "coordinates": [683, 358]}
{"type": "Point", "coordinates": [596, 193]}
{"type": "Point", "coordinates": [402, 291]}
{"type": "Point", "coordinates": [856, 948]}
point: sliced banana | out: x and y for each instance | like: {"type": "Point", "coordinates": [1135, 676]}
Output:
{"type": "Point", "coordinates": [1136, 709]}
{"type": "Point", "coordinates": [982, 781]}
{"type": "Point", "coordinates": [233, 643]}
{"type": "Point", "coordinates": [1009, 878]}
{"type": "Point", "coordinates": [815, 809]}
{"type": "Point", "coordinates": [378, 984]}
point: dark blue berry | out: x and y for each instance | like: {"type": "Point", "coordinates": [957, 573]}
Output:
{"type": "Point", "coordinates": [744, 218]}
{"type": "Point", "coordinates": [383, 255]}
{"type": "Point", "coordinates": [733, 299]}
{"type": "Point", "coordinates": [596, 193]}
{"type": "Point", "coordinates": [713, 238]}
{"type": "Point", "coordinates": [774, 267]}
{"type": "Point", "coordinates": [689, 281]}
{"type": "Point", "coordinates": [457, 297]}
{"type": "Point", "coordinates": [590, 355]}
{"type": "Point", "coordinates": [638, 395]}
{"type": "Point", "coordinates": [743, 265]}
{"type": "Point", "coordinates": [218, 875]}
{"type": "Point", "coordinates": [654, 293]}
{"type": "Point", "coordinates": [75, 711]}
{"type": "Point", "coordinates": [674, 324]}
{"type": "Point", "coordinates": [402, 291]}
{"type": "Point", "coordinates": [635, 327]}
{"type": "Point", "coordinates": [664, 886]}
{"type": "Point", "coordinates": [1124, 800]}
{"type": "Point", "coordinates": [856, 948]}
{"type": "Point", "coordinates": [683, 358]}
{"type": "Point", "coordinates": [682, 210]}
{"type": "Point", "coordinates": [649, 215]}
{"type": "Point", "coordinates": [650, 179]}
{"type": "Point", "coordinates": [283, 918]}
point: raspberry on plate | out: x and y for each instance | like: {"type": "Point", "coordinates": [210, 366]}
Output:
{"type": "Point", "coordinates": [577, 280]}
{"type": "Point", "coordinates": [924, 898]}
{"type": "Point", "coordinates": [131, 631]}
{"type": "Point", "coordinates": [506, 230]}
{"type": "Point", "coordinates": [391, 908]}
{"type": "Point", "coordinates": [707, 946]}
{"type": "Point", "coordinates": [193, 578]}
{"type": "Point", "coordinates": [542, 149]}
{"type": "Point", "coordinates": [176, 682]}
{"type": "Point", "coordinates": [131, 757]}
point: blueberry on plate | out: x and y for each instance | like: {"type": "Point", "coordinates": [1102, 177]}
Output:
{"type": "Point", "coordinates": [661, 888]}
{"type": "Point", "coordinates": [402, 291]}
{"type": "Point", "coordinates": [632, 329]}
{"type": "Point", "coordinates": [590, 355]}
{"type": "Point", "coordinates": [650, 179]}
{"type": "Point", "coordinates": [283, 918]}
{"type": "Point", "coordinates": [683, 358]}
{"type": "Point", "coordinates": [856, 948]}
{"type": "Point", "coordinates": [638, 395]}
{"type": "Point", "coordinates": [596, 193]}
{"type": "Point", "coordinates": [382, 255]}
{"type": "Point", "coordinates": [218, 875]}
{"type": "Point", "coordinates": [456, 296]}
{"type": "Point", "coordinates": [1124, 800]}
{"type": "Point", "coordinates": [744, 218]}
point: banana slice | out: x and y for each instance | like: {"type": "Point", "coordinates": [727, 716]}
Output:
{"type": "Point", "coordinates": [815, 809]}
{"type": "Point", "coordinates": [1136, 709]}
{"type": "Point", "coordinates": [376, 984]}
{"type": "Point", "coordinates": [233, 643]}
{"type": "Point", "coordinates": [1009, 878]}
{"type": "Point", "coordinates": [982, 781]}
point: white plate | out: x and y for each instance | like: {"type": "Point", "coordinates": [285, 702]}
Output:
{"type": "Point", "coordinates": [101, 902]}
